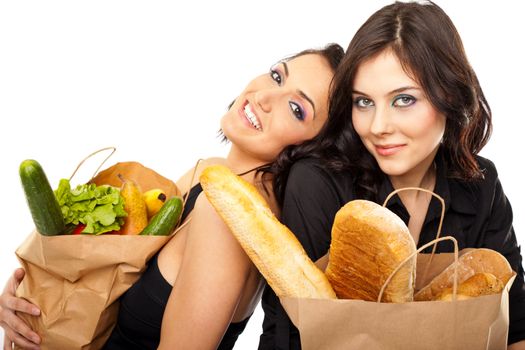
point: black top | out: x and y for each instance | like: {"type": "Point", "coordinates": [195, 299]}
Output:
{"type": "Point", "coordinates": [477, 214]}
{"type": "Point", "coordinates": [142, 307]}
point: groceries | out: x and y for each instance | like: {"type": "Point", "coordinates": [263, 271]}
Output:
{"type": "Point", "coordinates": [368, 243]}
{"type": "Point", "coordinates": [480, 272]}
{"type": "Point", "coordinates": [155, 199]}
{"type": "Point", "coordinates": [96, 209]}
{"type": "Point", "coordinates": [76, 280]}
{"type": "Point", "coordinates": [41, 200]}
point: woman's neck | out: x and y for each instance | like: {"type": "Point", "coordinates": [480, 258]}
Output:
{"type": "Point", "coordinates": [423, 176]}
{"type": "Point", "coordinates": [242, 163]}
{"type": "Point", "coordinates": [417, 202]}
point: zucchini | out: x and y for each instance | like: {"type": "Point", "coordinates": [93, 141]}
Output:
{"type": "Point", "coordinates": [41, 199]}
{"type": "Point", "coordinates": [165, 221]}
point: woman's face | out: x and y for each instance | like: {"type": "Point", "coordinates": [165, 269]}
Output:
{"type": "Point", "coordinates": [394, 118]}
{"type": "Point", "coordinates": [286, 106]}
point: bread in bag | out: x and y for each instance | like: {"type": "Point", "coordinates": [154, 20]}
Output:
{"type": "Point", "coordinates": [473, 261]}
{"type": "Point", "coordinates": [368, 243]}
{"type": "Point", "coordinates": [482, 283]}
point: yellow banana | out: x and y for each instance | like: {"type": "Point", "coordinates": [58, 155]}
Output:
{"type": "Point", "coordinates": [154, 199]}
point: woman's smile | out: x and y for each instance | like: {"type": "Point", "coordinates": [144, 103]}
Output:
{"type": "Point", "coordinates": [286, 106]}
{"type": "Point", "coordinates": [247, 113]}
{"type": "Point", "coordinates": [388, 150]}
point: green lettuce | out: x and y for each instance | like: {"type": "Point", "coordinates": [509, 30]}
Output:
{"type": "Point", "coordinates": [100, 208]}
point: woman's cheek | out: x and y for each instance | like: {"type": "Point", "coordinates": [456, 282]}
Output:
{"type": "Point", "coordinates": [360, 124]}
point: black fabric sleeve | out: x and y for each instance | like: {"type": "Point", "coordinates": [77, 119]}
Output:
{"type": "Point", "coordinates": [311, 201]}
{"type": "Point", "coordinates": [500, 236]}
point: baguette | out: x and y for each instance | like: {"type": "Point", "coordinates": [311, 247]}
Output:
{"type": "Point", "coordinates": [368, 243]}
{"type": "Point", "coordinates": [271, 246]}
{"type": "Point", "coordinates": [479, 284]}
{"type": "Point", "coordinates": [478, 260]}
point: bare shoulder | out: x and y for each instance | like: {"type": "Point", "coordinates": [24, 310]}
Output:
{"type": "Point", "coordinates": [191, 177]}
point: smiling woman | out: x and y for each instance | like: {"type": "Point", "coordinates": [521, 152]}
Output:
{"type": "Point", "coordinates": [281, 108]}
{"type": "Point", "coordinates": [201, 283]}
{"type": "Point", "coordinates": [395, 119]}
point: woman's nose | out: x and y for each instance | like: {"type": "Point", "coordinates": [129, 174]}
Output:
{"type": "Point", "coordinates": [381, 122]}
{"type": "Point", "coordinates": [265, 98]}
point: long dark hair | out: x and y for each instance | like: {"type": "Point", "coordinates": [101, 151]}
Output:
{"type": "Point", "coordinates": [430, 50]}
{"type": "Point", "coordinates": [280, 168]}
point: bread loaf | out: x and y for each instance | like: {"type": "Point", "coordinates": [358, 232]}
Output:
{"type": "Point", "coordinates": [368, 243]}
{"type": "Point", "coordinates": [271, 246]}
{"type": "Point", "coordinates": [479, 284]}
{"type": "Point", "coordinates": [474, 261]}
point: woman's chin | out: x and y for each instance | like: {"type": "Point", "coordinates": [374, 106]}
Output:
{"type": "Point", "coordinates": [392, 169]}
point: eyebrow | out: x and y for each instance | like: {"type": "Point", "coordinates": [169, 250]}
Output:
{"type": "Point", "coordinates": [299, 92]}
{"type": "Point", "coordinates": [395, 91]}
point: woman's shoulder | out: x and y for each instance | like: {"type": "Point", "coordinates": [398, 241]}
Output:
{"type": "Point", "coordinates": [314, 173]}
{"type": "Point", "coordinates": [479, 189]}
{"type": "Point", "coordinates": [309, 165]}
{"type": "Point", "coordinates": [485, 163]}
{"type": "Point", "coordinates": [213, 161]}
{"type": "Point", "coordinates": [488, 169]}
{"type": "Point", "coordinates": [191, 176]}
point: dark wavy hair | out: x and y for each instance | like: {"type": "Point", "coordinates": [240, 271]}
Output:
{"type": "Point", "coordinates": [280, 168]}
{"type": "Point", "coordinates": [427, 44]}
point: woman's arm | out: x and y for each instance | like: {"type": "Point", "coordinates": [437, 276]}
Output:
{"type": "Point", "coordinates": [16, 330]}
{"type": "Point", "coordinates": [211, 280]}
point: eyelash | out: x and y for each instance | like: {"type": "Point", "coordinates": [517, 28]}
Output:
{"type": "Point", "coordinates": [358, 102]}
{"type": "Point", "coordinates": [297, 110]}
{"type": "Point", "coordinates": [276, 76]}
{"type": "Point", "coordinates": [411, 99]}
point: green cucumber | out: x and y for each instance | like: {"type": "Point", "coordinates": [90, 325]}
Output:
{"type": "Point", "coordinates": [165, 221]}
{"type": "Point", "coordinates": [41, 199]}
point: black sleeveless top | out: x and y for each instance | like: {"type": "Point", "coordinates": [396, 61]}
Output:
{"type": "Point", "coordinates": [142, 307]}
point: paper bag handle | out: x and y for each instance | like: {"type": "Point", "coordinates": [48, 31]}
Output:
{"type": "Point", "coordinates": [435, 241]}
{"type": "Point", "coordinates": [438, 234]}
{"type": "Point", "coordinates": [427, 191]}
{"type": "Point", "coordinates": [180, 225]}
{"type": "Point", "coordinates": [113, 149]}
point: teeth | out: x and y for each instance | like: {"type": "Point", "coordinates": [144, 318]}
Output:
{"type": "Point", "coordinates": [251, 117]}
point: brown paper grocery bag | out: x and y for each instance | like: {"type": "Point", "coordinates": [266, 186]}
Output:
{"type": "Point", "coordinates": [477, 323]}
{"type": "Point", "coordinates": [76, 280]}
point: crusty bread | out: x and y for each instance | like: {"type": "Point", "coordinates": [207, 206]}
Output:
{"type": "Point", "coordinates": [479, 284]}
{"type": "Point", "coordinates": [271, 246]}
{"type": "Point", "coordinates": [368, 243]}
{"type": "Point", "coordinates": [472, 262]}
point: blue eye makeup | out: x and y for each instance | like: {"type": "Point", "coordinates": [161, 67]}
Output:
{"type": "Point", "coordinates": [403, 101]}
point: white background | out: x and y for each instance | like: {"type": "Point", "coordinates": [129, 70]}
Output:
{"type": "Point", "coordinates": [153, 78]}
